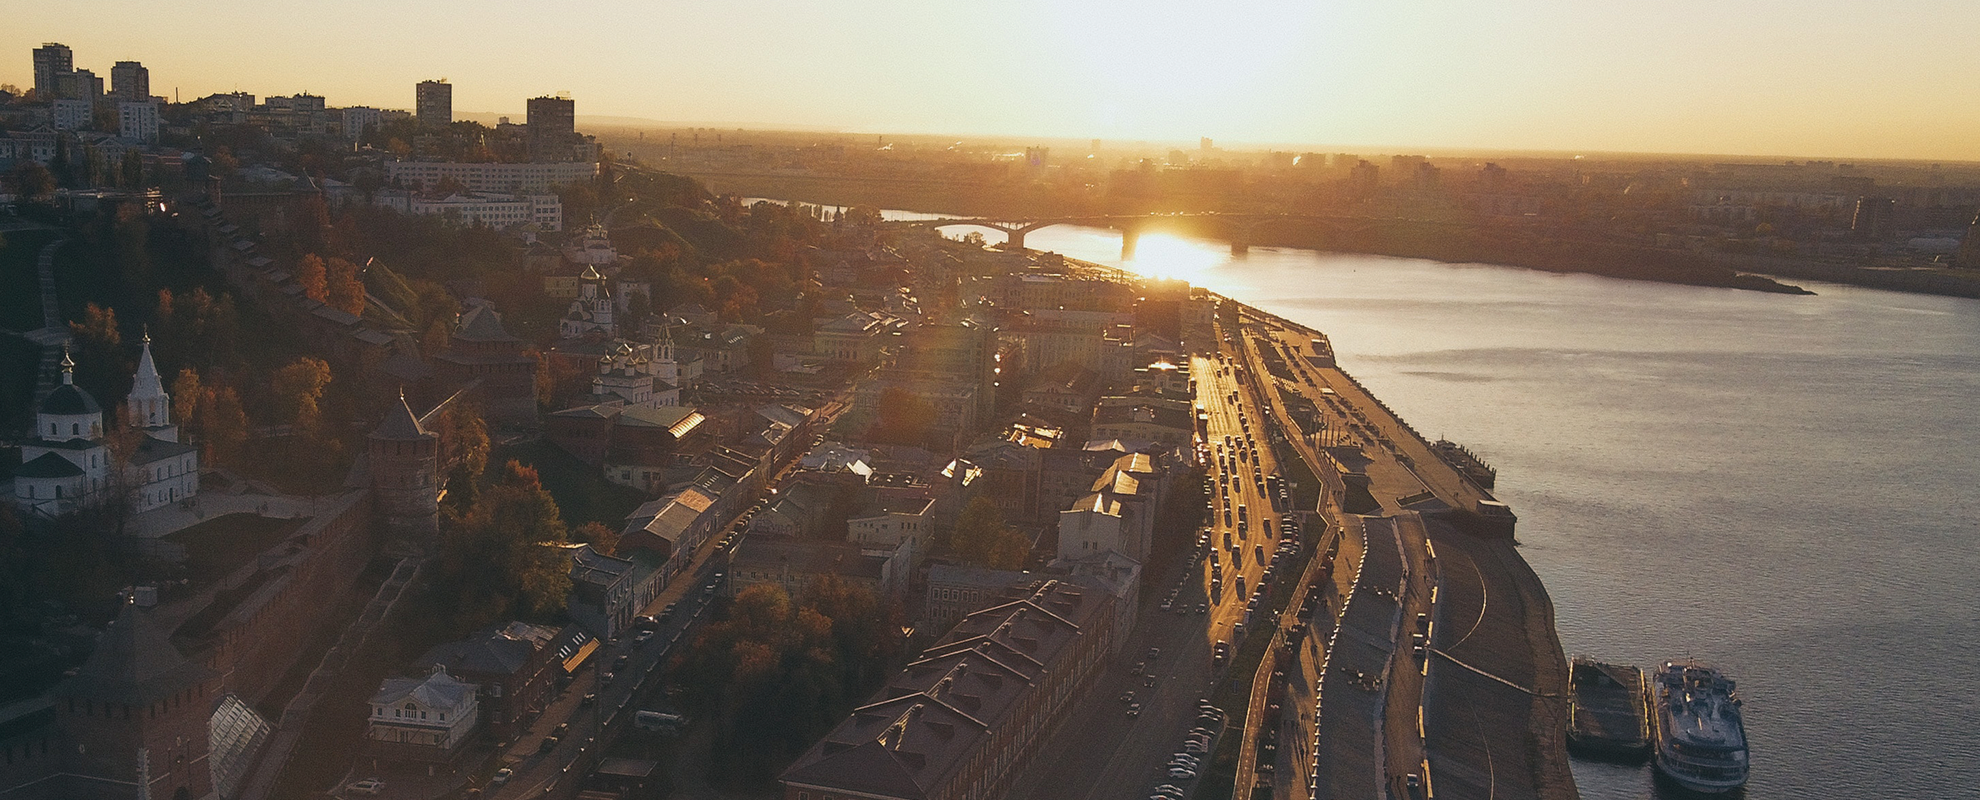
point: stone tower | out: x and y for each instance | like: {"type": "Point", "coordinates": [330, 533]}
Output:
{"type": "Point", "coordinates": [405, 464]}
{"type": "Point", "coordinates": [149, 408]}
{"type": "Point", "coordinates": [1969, 248]}
{"type": "Point", "coordinates": [135, 716]}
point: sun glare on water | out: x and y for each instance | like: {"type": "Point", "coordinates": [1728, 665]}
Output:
{"type": "Point", "coordinates": [1165, 256]}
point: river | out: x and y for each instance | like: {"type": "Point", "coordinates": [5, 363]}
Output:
{"type": "Point", "coordinates": [1782, 486]}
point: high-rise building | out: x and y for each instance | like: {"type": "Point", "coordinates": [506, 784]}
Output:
{"type": "Point", "coordinates": [79, 84]}
{"type": "Point", "coordinates": [130, 82]}
{"type": "Point", "coordinates": [50, 61]}
{"type": "Point", "coordinates": [434, 102]}
{"type": "Point", "coordinates": [1969, 248]}
{"type": "Point", "coordinates": [552, 128]}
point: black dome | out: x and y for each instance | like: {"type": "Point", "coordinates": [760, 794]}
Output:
{"type": "Point", "coordinates": [67, 399]}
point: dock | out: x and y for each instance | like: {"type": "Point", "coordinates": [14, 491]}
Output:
{"type": "Point", "coordinates": [1608, 718]}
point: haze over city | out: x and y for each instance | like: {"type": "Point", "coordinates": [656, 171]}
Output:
{"type": "Point", "coordinates": [1823, 78]}
{"type": "Point", "coordinates": [1030, 401]}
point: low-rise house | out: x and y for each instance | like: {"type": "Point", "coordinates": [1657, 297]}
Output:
{"type": "Point", "coordinates": [673, 527]}
{"type": "Point", "coordinates": [514, 667]}
{"type": "Point", "coordinates": [889, 524]}
{"type": "Point", "coordinates": [602, 595]}
{"type": "Point", "coordinates": [421, 719]}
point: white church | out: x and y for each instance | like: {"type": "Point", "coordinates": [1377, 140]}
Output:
{"type": "Point", "coordinates": [65, 465]}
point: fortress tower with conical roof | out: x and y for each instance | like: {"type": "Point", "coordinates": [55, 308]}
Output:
{"type": "Point", "coordinates": [404, 460]}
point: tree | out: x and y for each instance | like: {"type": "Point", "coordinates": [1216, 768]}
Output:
{"type": "Point", "coordinates": [314, 277]}
{"type": "Point", "coordinates": [503, 558]}
{"type": "Point", "coordinates": [904, 417]}
{"type": "Point", "coordinates": [344, 290]}
{"type": "Point", "coordinates": [131, 171]}
{"type": "Point", "coordinates": [186, 398]}
{"type": "Point", "coordinates": [298, 396]}
{"type": "Point", "coordinates": [34, 182]}
{"type": "Point", "coordinates": [601, 538]}
{"type": "Point", "coordinates": [982, 538]}
{"type": "Point", "coordinates": [99, 355]}
{"type": "Point", "coordinates": [223, 426]}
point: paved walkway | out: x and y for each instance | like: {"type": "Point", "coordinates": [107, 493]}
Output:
{"type": "Point", "coordinates": [289, 729]}
{"type": "Point", "coordinates": [54, 333]}
{"type": "Point", "coordinates": [209, 503]}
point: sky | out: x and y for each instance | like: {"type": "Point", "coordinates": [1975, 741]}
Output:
{"type": "Point", "coordinates": [1812, 78]}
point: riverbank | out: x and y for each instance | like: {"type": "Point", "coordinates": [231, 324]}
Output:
{"type": "Point", "coordinates": [1449, 242]}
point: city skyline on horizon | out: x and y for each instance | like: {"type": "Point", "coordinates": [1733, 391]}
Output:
{"type": "Point", "coordinates": [1539, 76]}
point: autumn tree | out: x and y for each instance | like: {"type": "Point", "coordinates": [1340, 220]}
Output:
{"type": "Point", "coordinates": [601, 538]}
{"type": "Point", "coordinates": [187, 396]}
{"type": "Point", "coordinates": [195, 329]}
{"type": "Point", "coordinates": [102, 367]}
{"type": "Point", "coordinates": [223, 426]}
{"type": "Point", "coordinates": [344, 289]}
{"type": "Point", "coordinates": [464, 443]}
{"type": "Point", "coordinates": [298, 394]}
{"type": "Point", "coordinates": [981, 537]}
{"type": "Point", "coordinates": [314, 277]}
{"type": "Point", "coordinates": [33, 181]}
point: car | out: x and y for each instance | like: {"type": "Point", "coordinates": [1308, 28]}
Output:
{"type": "Point", "coordinates": [643, 637]}
{"type": "Point", "coordinates": [668, 612]}
{"type": "Point", "coordinates": [607, 677]}
{"type": "Point", "coordinates": [549, 743]}
{"type": "Point", "coordinates": [620, 662]}
{"type": "Point", "coordinates": [561, 729]}
{"type": "Point", "coordinates": [501, 776]}
{"type": "Point", "coordinates": [1127, 697]}
{"type": "Point", "coordinates": [1202, 608]}
{"type": "Point", "coordinates": [368, 786]}
{"type": "Point", "coordinates": [588, 699]}
{"type": "Point", "coordinates": [1148, 681]}
{"type": "Point", "coordinates": [1134, 709]}
{"type": "Point", "coordinates": [645, 623]}
{"type": "Point", "coordinates": [708, 591]}
{"type": "Point", "coordinates": [1169, 790]}
{"type": "Point", "coordinates": [1182, 773]}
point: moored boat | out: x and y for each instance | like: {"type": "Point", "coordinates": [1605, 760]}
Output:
{"type": "Point", "coordinates": [1607, 717]}
{"type": "Point", "coordinates": [1701, 739]}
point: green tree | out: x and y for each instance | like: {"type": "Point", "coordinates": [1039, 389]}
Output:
{"type": "Point", "coordinates": [904, 418]}
{"type": "Point", "coordinates": [982, 538]}
{"type": "Point", "coordinates": [505, 558]}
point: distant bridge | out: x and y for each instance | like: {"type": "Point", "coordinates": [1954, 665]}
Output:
{"type": "Point", "coordinates": [1238, 228]}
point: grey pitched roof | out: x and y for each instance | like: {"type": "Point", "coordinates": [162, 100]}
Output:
{"type": "Point", "coordinates": [482, 324]}
{"type": "Point", "coordinates": [438, 690]}
{"type": "Point", "coordinates": [134, 663]}
{"type": "Point", "coordinates": [49, 465]}
{"type": "Point", "coordinates": [400, 423]}
{"type": "Point", "coordinates": [154, 449]}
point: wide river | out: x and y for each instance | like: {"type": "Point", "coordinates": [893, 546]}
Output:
{"type": "Point", "coordinates": [1785, 487]}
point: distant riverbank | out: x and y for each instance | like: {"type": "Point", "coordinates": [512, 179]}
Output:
{"type": "Point", "coordinates": [1447, 242]}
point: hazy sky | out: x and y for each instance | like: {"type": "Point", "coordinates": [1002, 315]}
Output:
{"type": "Point", "coordinates": [1865, 78]}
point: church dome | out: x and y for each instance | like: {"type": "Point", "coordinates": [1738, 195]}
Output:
{"type": "Point", "coordinates": [69, 400]}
